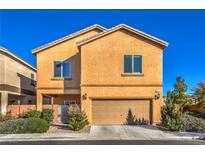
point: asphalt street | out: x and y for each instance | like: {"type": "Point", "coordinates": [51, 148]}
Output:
{"type": "Point", "coordinates": [108, 142]}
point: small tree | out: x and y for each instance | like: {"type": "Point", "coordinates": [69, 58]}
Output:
{"type": "Point", "coordinates": [171, 118]}
{"type": "Point", "coordinates": [180, 97]}
{"type": "Point", "coordinates": [199, 94]}
{"type": "Point", "coordinates": [47, 115]}
{"type": "Point", "coordinates": [77, 120]}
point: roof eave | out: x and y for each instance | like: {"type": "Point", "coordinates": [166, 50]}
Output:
{"type": "Point", "coordinates": [6, 51]}
{"type": "Point", "coordinates": [70, 36]}
{"type": "Point", "coordinates": [164, 44]}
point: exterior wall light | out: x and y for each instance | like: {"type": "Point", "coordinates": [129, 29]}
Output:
{"type": "Point", "coordinates": [157, 95]}
{"type": "Point", "coordinates": [84, 97]}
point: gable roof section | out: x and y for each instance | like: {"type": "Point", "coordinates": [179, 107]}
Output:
{"type": "Point", "coordinates": [131, 29]}
{"type": "Point", "coordinates": [7, 52]}
{"type": "Point", "coordinates": [96, 26]}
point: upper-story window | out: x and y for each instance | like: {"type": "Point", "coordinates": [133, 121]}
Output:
{"type": "Point", "coordinates": [133, 64]}
{"type": "Point", "coordinates": [62, 69]}
{"type": "Point", "coordinates": [32, 76]}
{"type": "Point", "coordinates": [33, 82]}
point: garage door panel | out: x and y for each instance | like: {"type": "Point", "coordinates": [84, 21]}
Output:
{"type": "Point", "coordinates": [116, 111]}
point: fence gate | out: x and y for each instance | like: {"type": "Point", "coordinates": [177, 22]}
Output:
{"type": "Point", "coordinates": [63, 114]}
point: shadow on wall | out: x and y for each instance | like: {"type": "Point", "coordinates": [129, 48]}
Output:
{"type": "Point", "coordinates": [27, 85]}
{"type": "Point", "coordinates": [27, 89]}
{"type": "Point", "coordinates": [132, 120]}
{"type": "Point", "coordinates": [74, 81]}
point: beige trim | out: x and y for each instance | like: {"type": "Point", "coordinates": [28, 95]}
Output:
{"type": "Point", "coordinates": [121, 85]}
{"type": "Point", "coordinates": [50, 88]}
{"type": "Point", "coordinates": [121, 97]}
{"type": "Point", "coordinates": [7, 52]}
{"type": "Point", "coordinates": [131, 29]}
{"type": "Point", "coordinates": [17, 90]}
{"type": "Point", "coordinates": [45, 46]}
{"type": "Point", "coordinates": [60, 78]}
{"type": "Point", "coordinates": [132, 74]}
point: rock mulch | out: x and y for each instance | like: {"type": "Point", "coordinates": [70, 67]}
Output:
{"type": "Point", "coordinates": [66, 129]}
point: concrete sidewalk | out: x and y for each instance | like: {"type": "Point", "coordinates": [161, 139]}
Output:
{"type": "Point", "coordinates": [44, 136]}
{"type": "Point", "coordinates": [120, 132]}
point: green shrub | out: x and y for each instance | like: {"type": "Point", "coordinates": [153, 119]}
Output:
{"type": "Point", "coordinates": [32, 114]}
{"type": "Point", "coordinates": [199, 94]}
{"type": "Point", "coordinates": [171, 118]}
{"type": "Point", "coordinates": [193, 124]}
{"type": "Point", "coordinates": [195, 114]}
{"type": "Point", "coordinates": [5, 117]}
{"type": "Point", "coordinates": [47, 115]}
{"type": "Point", "coordinates": [29, 125]}
{"type": "Point", "coordinates": [78, 120]}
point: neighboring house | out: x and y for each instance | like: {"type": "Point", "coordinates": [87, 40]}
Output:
{"type": "Point", "coordinates": [17, 81]}
{"type": "Point", "coordinates": [110, 73]}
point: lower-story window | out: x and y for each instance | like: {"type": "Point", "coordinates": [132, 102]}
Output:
{"type": "Point", "coordinates": [46, 100]}
{"type": "Point", "coordinates": [13, 102]}
{"type": "Point", "coordinates": [69, 102]}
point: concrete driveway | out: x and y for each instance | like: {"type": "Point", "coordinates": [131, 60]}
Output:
{"type": "Point", "coordinates": [126, 132]}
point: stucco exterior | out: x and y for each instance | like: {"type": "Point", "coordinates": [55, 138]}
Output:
{"type": "Point", "coordinates": [67, 50]}
{"type": "Point", "coordinates": [97, 70]}
{"type": "Point", "coordinates": [107, 54]}
{"type": "Point", "coordinates": [15, 79]}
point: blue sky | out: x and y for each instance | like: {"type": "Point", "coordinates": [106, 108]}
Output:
{"type": "Point", "coordinates": [23, 30]}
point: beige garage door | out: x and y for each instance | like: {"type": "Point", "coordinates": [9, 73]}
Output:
{"type": "Point", "coordinates": [120, 112]}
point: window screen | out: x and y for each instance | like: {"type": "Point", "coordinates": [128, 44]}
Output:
{"type": "Point", "coordinates": [57, 69]}
{"type": "Point", "coordinates": [137, 64]}
{"type": "Point", "coordinates": [66, 69]}
{"type": "Point", "coordinates": [132, 64]}
{"type": "Point", "coordinates": [127, 64]}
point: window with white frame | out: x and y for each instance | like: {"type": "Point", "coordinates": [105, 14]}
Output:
{"type": "Point", "coordinates": [62, 69]}
{"type": "Point", "coordinates": [133, 64]}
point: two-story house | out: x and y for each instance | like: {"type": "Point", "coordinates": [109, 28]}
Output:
{"type": "Point", "coordinates": [107, 72]}
{"type": "Point", "coordinates": [17, 82]}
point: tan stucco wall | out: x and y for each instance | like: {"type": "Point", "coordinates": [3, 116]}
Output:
{"type": "Point", "coordinates": [121, 93]}
{"type": "Point", "coordinates": [60, 99]}
{"type": "Point", "coordinates": [2, 68]}
{"type": "Point", "coordinates": [102, 70]}
{"type": "Point", "coordinates": [67, 50]}
{"type": "Point", "coordinates": [11, 69]}
{"type": "Point", "coordinates": [98, 70]}
{"type": "Point", "coordinates": [17, 75]}
{"type": "Point", "coordinates": [107, 53]}
{"type": "Point", "coordinates": [60, 52]}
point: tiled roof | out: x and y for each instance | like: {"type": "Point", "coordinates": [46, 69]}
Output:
{"type": "Point", "coordinates": [6, 51]}
{"type": "Point", "coordinates": [150, 37]}
{"type": "Point", "coordinates": [36, 50]}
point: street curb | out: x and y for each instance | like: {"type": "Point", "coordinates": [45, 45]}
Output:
{"type": "Point", "coordinates": [41, 139]}
{"type": "Point", "coordinates": [87, 138]}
